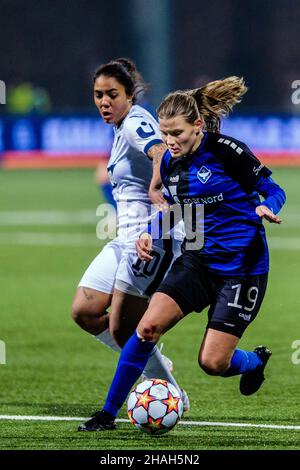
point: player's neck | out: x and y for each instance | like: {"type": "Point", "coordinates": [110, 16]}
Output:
{"type": "Point", "coordinates": [197, 142]}
{"type": "Point", "coordinates": [118, 124]}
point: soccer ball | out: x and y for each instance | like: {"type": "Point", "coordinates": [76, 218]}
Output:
{"type": "Point", "coordinates": [154, 406]}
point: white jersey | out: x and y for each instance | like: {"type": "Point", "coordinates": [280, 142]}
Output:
{"type": "Point", "coordinates": [130, 171]}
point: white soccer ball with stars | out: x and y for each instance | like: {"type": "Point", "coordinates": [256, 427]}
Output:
{"type": "Point", "coordinates": [154, 406]}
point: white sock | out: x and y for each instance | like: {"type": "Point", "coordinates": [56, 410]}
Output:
{"type": "Point", "coordinates": [157, 369]}
{"type": "Point", "coordinates": [106, 338]}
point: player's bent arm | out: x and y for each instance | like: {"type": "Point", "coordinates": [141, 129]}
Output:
{"type": "Point", "coordinates": [101, 175]}
{"type": "Point", "coordinates": [158, 226]}
{"type": "Point", "coordinates": [267, 214]}
{"type": "Point", "coordinates": [274, 195]}
{"type": "Point", "coordinates": [155, 189]}
{"type": "Point", "coordinates": [274, 199]}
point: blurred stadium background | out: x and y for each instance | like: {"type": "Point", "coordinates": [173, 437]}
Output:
{"type": "Point", "coordinates": [51, 140]}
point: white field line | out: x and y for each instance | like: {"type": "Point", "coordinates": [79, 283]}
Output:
{"type": "Point", "coordinates": [184, 423]}
{"type": "Point", "coordinates": [85, 216]}
{"type": "Point", "coordinates": [47, 217]}
{"type": "Point", "coordinates": [89, 239]}
{"type": "Point", "coordinates": [50, 239]}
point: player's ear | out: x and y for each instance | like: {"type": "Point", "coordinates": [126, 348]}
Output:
{"type": "Point", "coordinates": [198, 126]}
{"type": "Point", "coordinates": [130, 99]}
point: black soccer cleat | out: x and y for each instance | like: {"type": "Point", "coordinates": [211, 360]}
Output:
{"type": "Point", "coordinates": [100, 421]}
{"type": "Point", "coordinates": [251, 381]}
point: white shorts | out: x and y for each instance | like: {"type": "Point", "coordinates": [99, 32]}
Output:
{"type": "Point", "coordinates": [117, 266]}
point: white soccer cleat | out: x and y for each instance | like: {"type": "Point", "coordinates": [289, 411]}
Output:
{"type": "Point", "coordinates": [166, 360]}
{"type": "Point", "coordinates": [168, 363]}
{"type": "Point", "coordinates": [185, 400]}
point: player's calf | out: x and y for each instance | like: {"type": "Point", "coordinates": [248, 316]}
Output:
{"type": "Point", "coordinates": [213, 366]}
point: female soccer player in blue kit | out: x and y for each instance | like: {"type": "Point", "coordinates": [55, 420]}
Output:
{"type": "Point", "coordinates": [110, 280]}
{"type": "Point", "coordinates": [228, 272]}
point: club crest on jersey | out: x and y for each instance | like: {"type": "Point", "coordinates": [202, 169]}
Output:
{"type": "Point", "coordinates": [204, 174]}
{"type": "Point", "coordinates": [174, 179]}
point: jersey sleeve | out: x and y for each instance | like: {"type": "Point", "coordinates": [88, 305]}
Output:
{"type": "Point", "coordinates": [240, 163]}
{"type": "Point", "coordinates": [142, 132]}
{"type": "Point", "coordinates": [274, 195]}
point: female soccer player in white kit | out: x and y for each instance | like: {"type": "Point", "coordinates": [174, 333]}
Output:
{"type": "Point", "coordinates": [115, 277]}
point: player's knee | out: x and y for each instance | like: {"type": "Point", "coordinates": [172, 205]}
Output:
{"type": "Point", "coordinates": [84, 315]}
{"type": "Point", "coordinates": [149, 331]}
{"type": "Point", "coordinates": [213, 365]}
{"type": "Point", "coordinates": [81, 317]}
{"type": "Point", "coordinates": [76, 312]}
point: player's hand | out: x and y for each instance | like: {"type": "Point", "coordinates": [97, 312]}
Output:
{"type": "Point", "coordinates": [266, 213]}
{"type": "Point", "coordinates": [157, 198]}
{"type": "Point", "coordinates": [144, 247]}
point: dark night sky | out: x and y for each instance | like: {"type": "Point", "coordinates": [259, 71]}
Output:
{"type": "Point", "coordinates": [57, 44]}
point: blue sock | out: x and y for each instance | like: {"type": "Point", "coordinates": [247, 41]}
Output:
{"type": "Point", "coordinates": [133, 358]}
{"type": "Point", "coordinates": [241, 362]}
{"type": "Point", "coordinates": [106, 190]}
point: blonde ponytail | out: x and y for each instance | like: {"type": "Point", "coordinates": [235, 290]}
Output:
{"type": "Point", "coordinates": [210, 102]}
{"type": "Point", "coordinates": [216, 99]}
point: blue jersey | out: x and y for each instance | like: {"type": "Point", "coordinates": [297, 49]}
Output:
{"type": "Point", "coordinates": [226, 178]}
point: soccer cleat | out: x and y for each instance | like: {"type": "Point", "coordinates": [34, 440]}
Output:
{"type": "Point", "coordinates": [168, 363]}
{"type": "Point", "coordinates": [166, 360]}
{"type": "Point", "coordinates": [251, 381]}
{"type": "Point", "coordinates": [100, 421]}
{"type": "Point", "coordinates": [185, 400]}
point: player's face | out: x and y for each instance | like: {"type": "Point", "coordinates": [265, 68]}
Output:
{"type": "Point", "coordinates": [111, 99]}
{"type": "Point", "coordinates": [180, 136]}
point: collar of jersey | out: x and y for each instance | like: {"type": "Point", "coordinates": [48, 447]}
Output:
{"type": "Point", "coordinates": [118, 128]}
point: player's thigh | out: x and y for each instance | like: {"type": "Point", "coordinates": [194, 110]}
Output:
{"type": "Point", "coordinates": [126, 312]}
{"type": "Point", "coordinates": [90, 302]}
{"type": "Point", "coordinates": [236, 303]}
{"type": "Point", "coordinates": [162, 314]}
{"type": "Point", "coordinates": [95, 289]}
